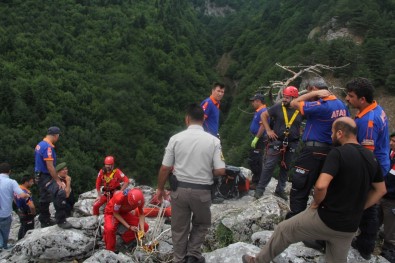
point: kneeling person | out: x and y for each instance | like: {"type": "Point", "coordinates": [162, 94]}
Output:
{"type": "Point", "coordinates": [121, 209]}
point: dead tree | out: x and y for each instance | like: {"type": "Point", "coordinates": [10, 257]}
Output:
{"type": "Point", "coordinates": [296, 71]}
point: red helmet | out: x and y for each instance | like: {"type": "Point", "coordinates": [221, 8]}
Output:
{"type": "Point", "coordinates": [109, 160]}
{"type": "Point", "coordinates": [291, 91]}
{"type": "Point", "coordinates": [136, 197]}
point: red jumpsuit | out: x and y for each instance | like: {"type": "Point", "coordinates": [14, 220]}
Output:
{"type": "Point", "coordinates": [111, 182]}
{"type": "Point", "coordinates": [119, 203]}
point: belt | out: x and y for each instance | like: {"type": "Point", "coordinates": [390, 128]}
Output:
{"type": "Point", "coordinates": [316, 144]}
{"type": "Point", "coordinates": [194, 186]}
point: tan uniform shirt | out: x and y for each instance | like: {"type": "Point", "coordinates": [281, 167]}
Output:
{"type": "Point", "coordinates": [194, 154]}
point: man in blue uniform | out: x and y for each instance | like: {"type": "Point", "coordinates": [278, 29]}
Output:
{"type": "Point", "coordinates": [320, 109]}
{"type": "Point", "coordinates": [258, 143]}
{"type": "Point", "coordinates": [48, 181]}
{"type": "Point", "coordinates": [26, 208]}
{"type": "Point", "coordinates": [373, 134]}
{"type": "Point", "coordinates": [211, 109]}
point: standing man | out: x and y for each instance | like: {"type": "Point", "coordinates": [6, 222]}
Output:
{"type": "Point", "coordinates": [284, 139]}
{"type": "Point", "coordinates": [373, 134]}
{"type": "Point", "coordinates": [258, 143]}
{"type": "Point", "coordinates": [196, 157]}
{"type": "Point", "coordinates": [8, 188]}
{"type": "Point", "coordinates": [126, 208]}
{"type": "Point", "coordinates": [48, 181]}
{"type": "Point", "coordinates": [350, 181]}
{"type": "Point", "coordinates": [111, 179]}
{"type": "Point", "coordinates": [211, 109]}
{"type": "Point", "coordinates": [320, 109]}
{"type": "Point", "coordinates": [388, 208]}
{"type": "Point", "coordinates": [26, 208]}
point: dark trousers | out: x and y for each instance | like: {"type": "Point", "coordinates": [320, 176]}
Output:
{"type": "Point", "coordinates": [50, 191]}
{"type": "Point", "coordinates": [273, 157]}
{"type": "Point", "coordinates": [255, 160]}
{"type": "Point", "coordinates": [307, 169]}
{"type": "Point", "coordinates": [27, 223]}
{"type": "Point", "coordinates": [189, 206]}
{"type": "Point", "coordinates": [369, 227]}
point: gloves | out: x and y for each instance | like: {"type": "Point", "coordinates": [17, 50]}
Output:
{"type": "Point", "coordinates": [140, 234]}
{"type": "Point", "coordinates": [254, 141]}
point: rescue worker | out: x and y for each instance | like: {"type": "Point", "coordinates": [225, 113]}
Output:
{"type": "Point", "coordinates": [259, 141]}
{"type": "Point", "coordinates": [372, 123]}
{"type": "Point", "coordinates": [110, 178]}
{"type": "Point", "coordinates": [321, 109]}
{"type": "Point", "coordinates": [211, 109]}
{"type": "Point", "coordinates": [283, 141]}
{"type": "Point", "coordinates": [122, 209]}
{"type": "Point", "coordinates": [48, 181]}
{"type": "Point", "coordinates": [26, 209]}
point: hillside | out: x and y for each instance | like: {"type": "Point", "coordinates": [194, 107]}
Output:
{"type": "Point", "coordinates": [116, 75]}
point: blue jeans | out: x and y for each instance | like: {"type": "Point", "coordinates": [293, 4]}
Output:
{"type": "Point", "coordinates": [5, 226]}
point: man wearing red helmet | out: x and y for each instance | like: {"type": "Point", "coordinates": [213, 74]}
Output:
{"type": "Point", "coordinates": [111, 180]}
{"type": "Point", "coordinates": [122, 209]}
{"type": "Point", "coordinates": [284, 136]}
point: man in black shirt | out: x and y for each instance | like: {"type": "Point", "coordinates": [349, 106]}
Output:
{"type": "Point", "coordinates": [350, 181]}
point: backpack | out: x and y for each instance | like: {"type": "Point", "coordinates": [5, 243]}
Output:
{"type": "Point", "coordinates": [232, 184]}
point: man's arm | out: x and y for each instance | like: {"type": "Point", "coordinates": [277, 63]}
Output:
{"type": "Point", "coordinates": [265, 123]}
{"type": "Point", "coordinates": [296, 103]}
{"type": "Point", "coordinates": [164, 172]}
{"type": "Point", "coordinates": [68, 186]}
{"type": "Point", "coordinates": [375, 194]}
{"type": "Point", "coordinates": [320, 189]}
{"type": "Point", "coordinates": [125, 180]}
{"type": "Point", "coordinates": [219, 172]}
{"type": "Point", "coordinates": [123, 222]}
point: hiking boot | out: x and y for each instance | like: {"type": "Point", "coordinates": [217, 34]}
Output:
{"type": "Point", "coordinates": [217, 200]}
{"type": "Point", "coordinates": [282, 195]}
{"type": "Point", "coordinates": [258, 193]}
{"type": "Point", "coordinates": [47, 223]}
{"type": "Point", "coordinates": [248, 259]}
{"type": "Point", "coordinates": [65, 225]}
{"type": "Point", "coordinates": [363, 254]}
{"type": "Point", "coordinates": [315, 244]}
{"type": "Point", "coordinates": [192, 259]}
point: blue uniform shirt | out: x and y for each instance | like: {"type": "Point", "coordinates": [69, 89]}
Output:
{"type": "Point", "coordinates": [373, 133]}
{"type": "Point", "coordinates": [44, 151]}
{"type": "Point", "coordinates": [319, 116]}
{"type": "Point", "coordinates": [211, 115]}
{"type": "Point", "coordinates": [256, 121]}
{"type": "Point", "coordinates": [22, 203]}
{"type": "Point", "coordinates": [8, 187]}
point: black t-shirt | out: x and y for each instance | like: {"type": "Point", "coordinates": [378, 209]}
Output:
{"type": "Point", "coordinates": [277, 115]}
{"type": "Point", "coordinates": [354, 169]}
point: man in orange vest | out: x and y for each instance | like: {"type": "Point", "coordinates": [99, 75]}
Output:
{"type": "Point", "coordinates": [111, 180]}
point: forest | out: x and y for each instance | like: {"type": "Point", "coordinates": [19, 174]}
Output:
{"type": "Point", "coordinates": [116, 75]}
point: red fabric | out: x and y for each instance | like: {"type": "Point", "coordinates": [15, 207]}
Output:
{"type": "Point", "coordinates": [119, 203]}
{"type": "Point", "coordinates": [111, 226]}
{"type": "Point", "coordinates": [119, 177]}
{"type": "Point", "coordinates": [98, 204]}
